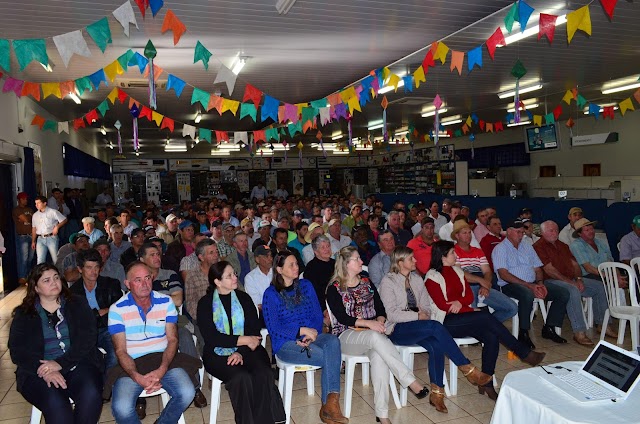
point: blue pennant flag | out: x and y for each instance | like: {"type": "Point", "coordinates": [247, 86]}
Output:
{"type": "Point", "coordinates": [366, 84]}
{"type": "Point", "coordinates": [269, 108]}
{"type": "Point", "coordinates": [524, 12]}
{"type": "Point", "coordinates": [474, 118]}
{"type": "Point", "coordinates": [97, 78]}
{"type": "Point", "coordinates": [365, 96]}
{"type": "Point", "coordinates": [155, 5]}
{"type": "Point", "coordinates": [509, 117]}
{"type": "Point", "coordinates": [140, 61]}
{"type": "Point", "coordinates": [594, 110]}
{"type": "Point", "coordinates": [176, 83]}
{"type": "Point", "coordinates": [408, 83]}
{"type": "Point", "coordinates": [474, 57]}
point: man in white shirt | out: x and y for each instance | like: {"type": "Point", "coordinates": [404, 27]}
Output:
{"type": "Point", "coordinates": [45, 224]}
{"type": "Point", "coordinates": [281, 193]}
{"type": "Point", "coordinates": [259, 279]}
{"type": "Point", "coordinates": [56, 201]}
{"type": "Point", "coordinates": [566, 234]}
{"type": "Point", "coordinates": [104, 197]}
{"type": "Point", "coordinates": [127, 226]}
{"type": "Point", "coordinates": [438, 219]}
{"type": "Point", "coordinates": [482, 218]}
{"type": "Point", "coordinates": [259, 192]}
{"type": "Point", "coordinates": [338, 241]}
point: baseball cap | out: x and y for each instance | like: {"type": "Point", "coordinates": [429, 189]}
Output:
{"type": "Point", "coordinates": [226, 226]}
{"type": "Point", "coordinates": [245, 221]}
{"type": "Point", "coordinates": [170, 217]}
{"type": "Point", "coordinates": [525, 210]}
{"type": "Point", "coordinates": [23, 195]}
{"type": "Point", "coordinates": [261, 204]}
{"type": "Point", "coordinates": [202, 213]}
{"type": "Point", "coordinates": [332, 222]}
{"type": "Point", "coordinates": [355, 205]}
{"type": "Point", "coordinates": [298, 213]}
{"type": "Point", "coordinates": [152, 239]}
{"type": "Point", "coordinates": [216, 223]}
{"type": "Point", "coordinates": [264, 223]}
{"type": "Point", "coordinates": [636, 221]}
{"type": "Point", "coordinates": [184, 224]}
{"type": "Point", "coordinates": [75, 236]}
{"type": "Point", "coordinates": [516, 223]}
{"type": "Point", "coordinates": [262, 251]}
{"type": "Point", "coordinates": [575, 210]}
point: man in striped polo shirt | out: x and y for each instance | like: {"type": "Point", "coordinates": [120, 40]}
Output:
{"type": "Point", "coordinates": [143, 326]}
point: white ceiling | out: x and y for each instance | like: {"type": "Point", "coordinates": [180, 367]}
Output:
{"type": "Point", "coordinates": [320, 47]}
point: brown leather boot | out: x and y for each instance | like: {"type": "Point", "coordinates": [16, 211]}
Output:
{"type": "Point", "coordinates": [533, 358]}
{"type": "Point", "coordinates": [474, 375]}
{"type": "Point", "coordinates": [436, 398]}
{"type": "Point", "coordinates": [330, 412]}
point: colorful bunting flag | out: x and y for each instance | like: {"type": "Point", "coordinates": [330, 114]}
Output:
{"type": "Point", "coordinates": [201, 53]}
{"type": "Point", "coordinates": [581, 101]}
{"type": "Point", "coordinates": [172, 23]}
{"type": "Point", "coordinates": [248, 109]}
{"type": "Point", "coordinates": [50, 88]}
{"type": "Point", "coordinates": [175, 83]}
{"type": "Point", "coordinates": [524, 13]}
{"type": "Point", "coordinates": [12, 84]}
{"type": "Point", "coordinates": [607, 111]}
{"type": "Point", "coordinates": [103, 107]}
{"type": "Point", "coordinates": [441, 52]}
{"type": "Point", "coordinates": [124, 59]}
{"type": "Point", "coordinates": [625, 105]}
{"type": "Point", "coordinates": [253, 94]}
{"type": "Point", "coordinates": [215, 102]}
{"type": "Point", "coordinates": [122, 96]}
{"type": "Point", "coordinates": [31, 89]}
{"type": "Point", "coordinates": [225, 75]}
{"type": "Point", "coordinates": [98, 78]}
{"type": "Point", "coordinates": [511, 17]}
{"type": "Point", "coordinates": [167, 123]}
{"type": "Point", "coordinates": [496, 40]}
{"type": "Point", "coordinates": [112, 70]}
{"type": "Point", "coordinates": [125, 16]}
{"type": "Point", "coordinates": [547, 26]}
{"type": "Point", "coordinates": [200, 96]}
{"type": "Point", "coordinates": [579, 19]}
{"type": "Point", "coordinates": [608, 6]}
{"type": "Point", "coordinates": [568, 96]}
{"type": "Point", "coordinates": [189, 130]}
{"type": "Point", "coordinates": [63, 127]}
{"type": "Point", "coordinates": [457, 59]}
{"type": "Point", "coordinates": [418, 76]}
{"type": "Point", "coordinates": [230, 105]}
{"type": "Point", "coordinates": [557, 112]}
{"type": "Point", "coordinates": [269, 109]}
{"type": "Point", "coordinates": [594, 110]}
{"type": "Point", "coordinates": [29, 50]}
{"type": "Point", "coordinates": [142, 5]}
{"type": "Point", "coordinates": [66, 88]}
{"type": "Point", "coordinates": [156, 117]}
{"type": "Point", "coordinates": [38, 121]}
{"type": "Point", "coordinates": [156, 5]}
{"type": "Point", "coordinates": [474, 57]}
{"type": "Point", "coordinates": [140, 61]}
{"type": "Point", "coordinates": [100, 33]}
{"type": "Point", "coordinates": [537, 120]}
{"type": "Point", "coordinates": [69, 44]}
{"type": "Point", "coordinates": [79, 123]}
{"type": "Point", "coordinates": [205, 134]}
{"type": "Point", "coordinates": [91, 116]}
{"type": "Point", "coordinates": [5, 54]}
{"type": "Point", "coordinates": [428, 61]}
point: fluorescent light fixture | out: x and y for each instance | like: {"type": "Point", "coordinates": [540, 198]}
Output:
{"type": "Point", "coordinates": [75, 98]}
{"type": "Point", "coordinates": [111, 145]}
{"type": "Point", "coordinates": [337, 136]}
{"type": "Point", "coordinates": [137, 153]}
{"type": "Point", "coordinates": [229, 147]}
{"type": "Point", "coordinates": [532, 30]}
{"type": "Point", "coordinates": [283, 6]}
{"type": "Point", "coordinates": [198, 117]}
{"type": "Point", "coordinates": [433, 112]}
{"type": "Point", "coordinates": [451, 120]}
{"type": "Point", "coordinates": [375, 125]}
{"type": "Point", "coordinates": [443, 134]}
{"type": "Point", "coordinates": [341, 152]}
{"type": "Point", "coordinates": [620, 88]}
{"type": "Point", "coordinates": [103, 130]}
{"type": "Point", "coordinates": [513, 124]}
{"type": "Point", "coordinates": [216, 152]}
{"type": "Point", "coordinates": [239, 64]}
{"type": "Point", "coordinates": [523, 90]}
{"type": "Point", "coordinates": [265, 151]}
{"type": "Point", "coordinates": [526, 106]}
{"type": "Point", "coordinates": [387, 88]}
{"type": "Point", "coordinates": [175, 148]}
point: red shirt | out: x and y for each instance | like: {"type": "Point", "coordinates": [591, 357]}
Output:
{"type": "Point", "coordinates": [488, 243]}
{"type": "Point", "coordinates": [557, 254]}
{"type": "Point", "coordinates": [422, 253]}
{"type": "Point", "coordinates": [454, 291]}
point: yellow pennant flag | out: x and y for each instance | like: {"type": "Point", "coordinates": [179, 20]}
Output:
{"type": "Point", "coordinates": [393, 81]}
{"type": "Point", "coordinates": [418, 77]}
{"type": "Point", "coordinates": [427, 138]}
{"type": "Point", "coordinates": [302, 106]}
{"type": "Point", "coordinates": [457, 59]}
{"type": "Point", "coordinates": [112, 70]}
{"type": "Point", "coordinates": [354, 104]}
{"type": "Point", "coordinates": [156, 117]}
{"type": "Point", "coordinates": [345, 95]}
{"type": "Point", "coordinates": [625, 105]}
{"type": "Point", "coordinates": [578, 20]}
{"type": "Point", "coordinates": [441, 52]}
{"type": "Point", "coordinates": [113, 95]}
{"type": "Point", "coordinates": [230, 105]}
{"type": "Point", "coordinates": [469, 121]}
{"type": "Point", "coordinates": [385, 73]}
{"type": "Point", "coordinates": [49, 88]}
{"type": "Point", "coordinates": [568, 96]}
{"type": "Point", "coordinates": [537, 120]}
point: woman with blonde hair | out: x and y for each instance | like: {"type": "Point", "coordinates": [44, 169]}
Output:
{"type": "Point", "coordinates": [359, 321]}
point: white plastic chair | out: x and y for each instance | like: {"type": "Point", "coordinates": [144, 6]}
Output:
{"type": "Point", "coordinates": [609, 274]}
{"type": "Point", "coordinates": [407, 354]}
{"type": "Point", "coordinates": [285, 381]}
{"type": "Point", "coordinates": [537, 304]}
{"type": "Point", "coordinates": [216, 388]}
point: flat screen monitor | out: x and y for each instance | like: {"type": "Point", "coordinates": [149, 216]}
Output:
{"type": "Point", "coordinates": [543, 138]}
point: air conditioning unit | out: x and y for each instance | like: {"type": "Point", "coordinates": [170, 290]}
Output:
{"type": "Point", "coordinates": [139, 83]}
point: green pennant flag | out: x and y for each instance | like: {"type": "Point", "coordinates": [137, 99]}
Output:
{"type": "Point", "coordinates": [200, 96]}
{"type": "Point", "coordinates": [549, 118]}
{"type": "Point", "coordinates": [205, 134]}
{"type": "Point", "coordinates": [50, 126]}
{"type": "Point", "coordinates": [457, 133]}
{"type": "Point", "coordinates": [125, 58]}
{"type": "Point", "coordinates": [294, 128]}
{"type": "Point", "coordinates": [319, 103]}
{"type": "Point", "coordinates": [201, 53]}
{"type": "Point", "coordinates": [103, 107]}
{"type": "Point", "coordinates": [5, 55]}
{"type": "Point", "coordinates": [511, 17]}
{"type": "Point", "coordinates": [248, 109]}
{"type": "Point", "coordinates": [32, 49]}
{"type": "Point", "coordinates": [272, 133]}
{"type": "Point", "coordinates": [83, 84]}
{"type": "Point", "coordinates": [100, 33]}
{"type": "Point", "coordinates": [150, 51]}
{"type": "Point", "coordinates": [309, 113]}
{"type": "Point", "coordinates": [581, 101]}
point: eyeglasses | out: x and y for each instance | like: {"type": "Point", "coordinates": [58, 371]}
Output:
{"type": "Point", "coordinates": [230, 276]}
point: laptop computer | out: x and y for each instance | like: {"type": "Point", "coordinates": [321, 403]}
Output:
{"type": "Point", "coordinates": [610, 373]}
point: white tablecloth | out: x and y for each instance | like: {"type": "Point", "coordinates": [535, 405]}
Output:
{"type": "Point", "coordinates": [525, 398]}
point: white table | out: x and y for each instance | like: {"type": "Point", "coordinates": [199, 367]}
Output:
{"type": "Point", "coordinates": [525, 398]}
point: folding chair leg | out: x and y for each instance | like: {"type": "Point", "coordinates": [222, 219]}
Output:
{"type": "Point", "coordinates": [349, 371]}
{"type": "Point", "coordinates": [394, 391]}
{"type": "Point", "coordinates": [605, 323]}
{"type": "Point", "coordinates": [622, 327]}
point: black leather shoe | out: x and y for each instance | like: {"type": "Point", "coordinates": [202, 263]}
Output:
{"type": "Point", "coordinates": [422, 393]}
{"type": "Point", "coordinates": [199, 401]}
{"type": "Point", "coordinates": [141, 408]}
{"type": "Point", "coordinates": [523, 337]}
{"type": "Point", "coordinates": [548, 332]}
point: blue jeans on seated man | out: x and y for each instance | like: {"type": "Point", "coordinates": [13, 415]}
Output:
{"type": "Point", "coordinates": [503, 307]}
{"type": "Point", "coordinates": [126, 391]}
{"type": "Point", "coordinates": [593, 289]}
{"type": "Point", "coordinates": [44, 245]}
{"type": "Point", "coordinates": [104, 341]}
{"type": "Point", "coordinates": [24, 254]}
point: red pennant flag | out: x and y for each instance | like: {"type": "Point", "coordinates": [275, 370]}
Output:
{"type": "Point", "coordinates": [481, 123]}
{"type": "Point", "coordinates": [91, 117]}
{"type": "Point", "coordinates": [31, 89]}
{"type": "Point", "coordinates": [67, 88]}
{"type": "Point", "coordinates": [557, 112]}
{"type": "Point", "coordinates": [78, 123]}
{"type": "Point", "coordinates": [145, 113]}
{"type": "Point", "coordinates": [167, 123]}
{"type": "Point", "coordinates": [122, 96]}
{"type": "Point", "coordinates": [450, 133]}
{"type": "Point", "coordinates": [259, 136]}
{"type": "Point", "coordinates": [253, 94]}
{"type": "Point", "coordinates": [142, 5]}
{"type": "Point", "coordinates": [608, 112]}
{"type": "Point", "coordinates": [496, 39]}
{"type": "Point", "coordinates": [498, 126]}
{"type": "Point", "coordinates": [465, 128]}
{"type": "Point", "coordinates": [428, 61]}
{"type": "Point", "coordinates": [222, 136]}
{"type": "Point", "coordinates": [636, 95]}
{"type": "Point", "coordinates": [608, 6]}
{"type": "Point", "coordinates": [39, 121]}
{"type": "Point", "coordinates": [547, 26]}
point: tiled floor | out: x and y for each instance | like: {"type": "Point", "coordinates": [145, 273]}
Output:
{"type": "Point", "coordinates": [466, 408]}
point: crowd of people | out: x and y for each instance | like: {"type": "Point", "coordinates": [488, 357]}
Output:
{"type": "Point", "coordinates": [162, 290]}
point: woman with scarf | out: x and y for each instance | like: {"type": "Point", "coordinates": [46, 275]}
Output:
{"type": "Point", "coordinates": [228, 321]}
{"type": "Point", "coordinates": [294, 320]}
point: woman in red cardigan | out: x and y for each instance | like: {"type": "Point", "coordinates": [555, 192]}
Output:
{"type": "Point", "coordinates": [451, 297]}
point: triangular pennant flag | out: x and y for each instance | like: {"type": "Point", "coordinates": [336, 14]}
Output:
{"type": "Point", "coordinates": [241, 136]}
{"type": "Point", "coordinates": [557, 112]}
{"type": "Point", "coordinates": [83, 84]}
{"type": "Point", "coordinates": [465, 128]}
{"type": "Point", "coordinates": [272, 134]}
{"type": "Point", "coordinates": [481, 123]}
{"type": "Point", "coordinates": [103, 107]}
{"type": "Point", "coordinates": [200, 96]}
{"type": "Point", "coordinates": [100, 33]}
{"type": "Point", "coordinates": [549, 118]}
{"type": "Point", "coordinates": [579, 19]}
{"type": "Point", "coordinates": [38, 121]}
{"type": "Point", "coordinates": [222, 136]}
{"type": "Point", "coordinates": [468, 121]}
{"type": "Point", "coordinates": [98, 78]}
{"type": "Point", "coordinates": [625, 105]}
{"type": "Point", "coordinates": [113, 95]}
{"type": "Point", "coordinates": [496, 40]}
{"type": "Point", "coordinates": [51, 88]}
{"type": "Point", "coordinates": [66, 88]}
{"type": "Point", "coordinates": [291, 112]}
{"type": "Point", "coordinates": [295, 128]}
{"type": "Point", "coordinates": [215, 102]}
{"type": "Point", "coordinates": [489, 127]}
{"type": "Point", "coordinates": [157, 71]}
{"type": "Point", "coordinates": [112, 70]}
{"type": "Point", "coordinates": [498, 126]}
{"type": "Point", "coordinates": [511, 17]}
{"type": "Point", "coordinates": [5, 54]}
{"type": "Point", "coordinates": [122, 96]}
{"type": "Point", "coordinates": [31, 89]}
{"type": "Point", "coordinates": [225, 75]}
{"type": "Point", "coordinates": [28, 50]}
{"type": "Point", "coordinates": [457, 59]}
{"type": "Point", "coordinates": [167, 123]}
{"type": "Point", "coordinates": [547, 26]}
{"type": "Point", "coordinates": [71, 43]}
{"type": "Point", "coordinates": [156, 5]}
{"type": "Point", "coordinates": [418, 76]}
{"type": "Point", "coordinates": [607, 111]}
{"type": "Point", "coordinates": [248, 109]}
{"type": "Point", "coordinates": [133, 102]}
{"type": "Point", "coordinates": [325, 115]}
{"type": "Point", "coordinates": [474, 57]}
{"type": "Point", "coordinates": [407, 81]}
{"type": "Point", "coordinates": [140, 61]}
{"type": "Point", "coordinates": [201, 53]}
{"type": "Point", "coordinates": [428, 61]}
{"type": "Point", "coordinates": [441, 52]}
{"type": "Point", "coordinates": [63, 127]}
{"type": "Point", "coordinates": [125, 16]}
{"type": "Point", "coordinates": [258, 136]}
{"type": "Point", "coordinates": [91, 116]}
{"type": "Point", "coordinates": [205, 134]}
{"type": "Point", "coordinates": [570, 123]}
{"type": "Point", "coordinates": [156, 117]}
{"type": "Point", "coordinates": [253, 94]}
{"type": "Point", "coordinates": [581, 101]}
{"type": "Point", "coordinates": [347, 93]}
{"type": "Point", "coordinates": [50, 126]}
{"type": "Point", "coordinates": [354, 104]}
{"type": "Point", "coordinates": [230, 105]}
{"type": "Point", "coordinates": [172, 23]}
{"type": "Point", "coordinates": [608, 6]}
{"type": "Point", "coordinates": [524, 13]}
{"type": "Point", "coordinates": [568, 96]}
{"type": "Point", "coordinates": [142, 5]}
{"type": "Point", "coordinates": [79, 123]}
{"type": "Point", "coordinates": [145, 113]}
{"type": "Point", "coordinates": [393, 81]}
{"type": "Point", "coordinates": [176, 83]}
{"type": "Point", "coordinates": [189, 130]}
{"type": "Point", "coordinates": [269, 109]}
{"type": "Point", "coordinates": [124, 59]}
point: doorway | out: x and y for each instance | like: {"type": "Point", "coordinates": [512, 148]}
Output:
{"type": "Point", "coordinates": [9, 261]}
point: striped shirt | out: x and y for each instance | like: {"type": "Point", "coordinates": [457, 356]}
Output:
{"type": "Point", "coordinates": [521, 261]}
{"type": "Point", "coordinates": [145, 332]}
{"type": "Point", "coordinates": [470, 261]}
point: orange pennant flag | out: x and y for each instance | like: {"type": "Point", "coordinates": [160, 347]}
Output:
{"type": "Point", "coordinates": [50, 88]}
{"type": "Point", "coordinates": [38, 120]}
{"type": "Point", "coordinates": [636, 95]}
{"type": "Point", "coordinates": [465, 128]}
{"type": "Point", "coordinates": [31, 89]}
{"type": "Point", "coordinates": [489, 127]}
{"type": "Point", "coordinates": [457, 59]}
{"type": "Point", "coordinates": [215, 102]}
{"type": "Point", "coordinates": [172, 23]}
{"type": "Point", "coordinates": [132, 102]}
{"type": "Point", "coordinates": [334, 99]}
{"type": "Point", "coordinates": [157, 71]}
{"type": "Point", "coordinates": [282, 114]}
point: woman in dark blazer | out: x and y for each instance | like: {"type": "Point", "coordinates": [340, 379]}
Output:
{"type": "Point", "coordinates": [53, 343]}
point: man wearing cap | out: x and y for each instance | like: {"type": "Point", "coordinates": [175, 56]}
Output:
{"type": "Point", "coordinates": [22, 215]}
{"type": "Point", "coordinates": [197, 280]}
{"type": "Point", "coordinates": [172, 229]}
{"type": "Point", "coordinates": [109, 268]}
{"type": "Point", "coordinates": [259, 192]}
{"type": "Point", "coordinates": [89, 229]}
{"type": "Point", "coordinates": [182, 246]}
{"type": "Point", "coordinates": [562, 269]}
{"type": "Point", "coordinates": [118, 244]}
{"type": "Point", "coordinates": [381, 263]}
{"type": "Point", "coordinates": [567, 233]}
{"type": "Point", "coordinates": [281, 193]}
{"type": "Point", "coordinates": [260, 277]}
{"type": "Point", "coordinates": [203, 222]}
{"type": "Point", "coordinates": [315, 230]}
{"type": "Point", "coordinates": [264, 229]}
{"type": "Point", "coordinates": [149, 231]}
{"type": "Point", "coordinates": [478, 273]}
{"type": "Point", "coordinates": [241, 258]}
{"type": "Point", "coordinates": [79, 243]}
{"type": "Point", "coordinates": [590, 251]}
{"type": "Point", "coordinates": [630, 243]}
{"type": "Point", "coordinates": [492, 238]}
{"type": "Point", "coordinates": [401, 236]}
{"type": "Point", "coordinates": [299, 242]}
{"type": "Point", "coordinates": [246, 225]}
{"type": "Point", "coordinates": [45, 224]}
{"type": "Point", "coordinates": [529, 236]}
{"type": "Point", "coordinates": [520, 276]}
{"type": "Point", "coordinates": [338, 240]}
{"type": "Point", "coordinates": [355, 217]}
{"type": "Point", "coordinates": [131, 254]}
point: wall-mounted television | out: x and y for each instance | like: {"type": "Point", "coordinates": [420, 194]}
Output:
{"type": "Point", "coordinates": [543, 138]}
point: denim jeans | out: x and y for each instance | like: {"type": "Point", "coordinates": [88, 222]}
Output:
{"type": "Point", "coordinates": [432, 336]}
{"type": "Point", "coordinates": [325, 352]}
{"type": "Point", "coordinates": [558, 295]}
{"type": "Point", "coordinates": [503, 307]}
{"type": "Point", "coordinates": [593, 289]}
{"type": "Point", "coordinates": [105, 342]}
{"type": "Point", "coordinates": [126, 391]}
{"type": "Point", "coordinates": [44, 245]}
{"type": "Point", "coordinates": [24, 254]}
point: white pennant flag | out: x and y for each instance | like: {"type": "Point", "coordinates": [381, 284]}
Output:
{"type": "Point", "coordinates": [70, 43]}
{"type": "Point", "coordinates": [63, 126]}
{"type": "Point", "coordinates": [325, 115]}
{"type": "Point", "coordinates": [225, 75]}
{"type": "Point", "coordinates": [124, 14]}
{"type": "Point", "coordinates": [241, 136]}
{"type": "Point", "coordinates": [189, 130]}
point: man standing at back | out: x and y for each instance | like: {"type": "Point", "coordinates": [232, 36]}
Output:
{"type": "Point", "coordinates": [567, 233]}
{"type": "Point", "coordinates": [45, 224]}
{"type": "Point", "coordinates": [22, 215]}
